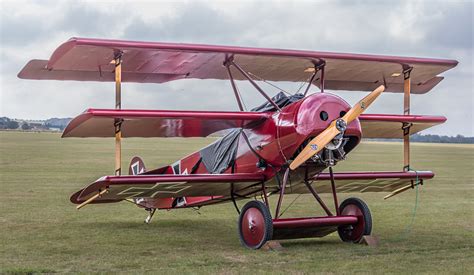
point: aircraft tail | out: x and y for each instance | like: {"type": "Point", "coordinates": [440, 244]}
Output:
{"type": "Point", "coordinates": [137, 166]}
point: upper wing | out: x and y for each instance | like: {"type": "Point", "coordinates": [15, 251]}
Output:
{"type": "Point", "coordinates": [156, 123]}
{"type": "Point", "coordinates": [153, 62]}
{"type": "Point", "coordinates": [390, 126]}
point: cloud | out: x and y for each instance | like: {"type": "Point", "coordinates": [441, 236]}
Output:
{"type": "Point", "coordinates": [33, 29]}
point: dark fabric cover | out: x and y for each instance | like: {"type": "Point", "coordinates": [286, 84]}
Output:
{"type": "Point", "coordinates": [281, 99]}
{"type": "Point", "coordinates": [218, 156]}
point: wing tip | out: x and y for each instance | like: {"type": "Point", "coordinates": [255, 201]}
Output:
{"type": "Point", "coordinates": [32, 69]}
{"type": "Point", "coordinates": [75, 122]}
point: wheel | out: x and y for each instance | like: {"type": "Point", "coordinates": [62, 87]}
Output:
{"type": "Point", "coordinates": [255, 225]}
{"type": "Point", "coordinates": [354, 233]}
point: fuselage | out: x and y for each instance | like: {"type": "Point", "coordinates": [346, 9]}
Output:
{"type": "Point", "coordinates": [271, 144]}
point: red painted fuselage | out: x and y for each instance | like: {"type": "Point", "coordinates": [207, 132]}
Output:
{"type": "Point", "coordinates": [275, 141]}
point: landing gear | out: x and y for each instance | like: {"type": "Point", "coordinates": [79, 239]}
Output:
{"type": "Point", "coordinates": [351, 219]}
{"type": "Point", "coordinates": [255, 225]}
{"type": "Point", "coordinates": [354, 233]}
{"type": "Point", "coordinates": [151, 212]}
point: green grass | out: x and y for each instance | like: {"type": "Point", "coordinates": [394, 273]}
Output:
{"type": "Point", "coordinates": [42, 232]}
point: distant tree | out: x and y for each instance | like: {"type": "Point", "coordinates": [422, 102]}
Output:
{"type": "Point", "coordinates": [3, 122]}
{"type": "Point", "coordinates": [12, 124]}
{"type": "Point", "coordinates": [25, 126]}
{"type": "Point", "coordinates": [441, 139]}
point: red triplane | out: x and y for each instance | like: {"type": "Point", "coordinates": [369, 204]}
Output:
{"type": "Point", "coordinates": [281, 147]}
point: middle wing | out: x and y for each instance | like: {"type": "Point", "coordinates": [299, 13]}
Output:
{"type": "Point", "coordinates": [391, 126]}
{"type": "Point", "coordinates": [156, 123]}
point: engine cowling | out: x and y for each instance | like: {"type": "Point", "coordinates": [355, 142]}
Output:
{"type": "Point", "coordinates": [314, 115]}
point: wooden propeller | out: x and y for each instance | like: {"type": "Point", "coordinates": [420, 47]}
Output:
{"type": "Point", "coordinates": [336, 127]}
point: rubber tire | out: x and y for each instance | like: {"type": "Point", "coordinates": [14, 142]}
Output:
{"type": "Point", "coordinates": [367, 219]}
{"type": "Point", "coordinates": [268, 234]}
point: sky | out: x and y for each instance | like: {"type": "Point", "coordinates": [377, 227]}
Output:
{"type": "Point", "coordinates": [33, 29]}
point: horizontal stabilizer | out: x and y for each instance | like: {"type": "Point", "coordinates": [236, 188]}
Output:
{"type": "Point", "coordinates": [390, 126]}
{"type": "Point", "coordinates": [156, 123]}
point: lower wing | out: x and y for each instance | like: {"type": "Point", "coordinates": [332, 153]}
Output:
{"type": "Point", "coordinates": [118, 188]}
{"type": "Point", "coordinates": [370, 181]}
{"type": "Point", "coordinates": [216, 188]}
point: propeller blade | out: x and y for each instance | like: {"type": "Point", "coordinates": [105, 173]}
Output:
{"type": "Point", "coordinates": [336, 127]}
{"type": "Point", "coordinates": [362, 105]}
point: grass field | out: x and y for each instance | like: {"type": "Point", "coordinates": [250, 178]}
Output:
{"type": "Point", "coordinates": [41, 231]}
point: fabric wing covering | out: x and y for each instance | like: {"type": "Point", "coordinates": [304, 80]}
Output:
{"type": "Point", "coordinates": [86, 59]}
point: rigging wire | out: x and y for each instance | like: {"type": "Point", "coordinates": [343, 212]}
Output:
{"type": "Point", "coordinates": [282, 212]}
{"type": "Point", "coordinates": [409, 227]}
{"type": "Point", "coordinates": [271, 84]}
{"type": "Point", "coordinates": [303, 84]}
{"type": "Point", "coordinates": [240, 96]}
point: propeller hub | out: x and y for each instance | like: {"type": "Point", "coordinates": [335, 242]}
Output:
{"type": "Point", "coordinates": [341, 125]}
